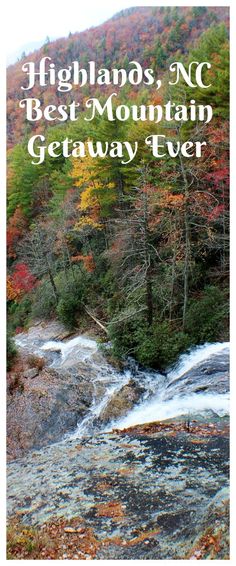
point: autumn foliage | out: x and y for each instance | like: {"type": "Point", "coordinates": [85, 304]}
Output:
{"type": "Point", "coordinates": [144, 245]}
{"type": "Point", "coordinates": [20, 282]}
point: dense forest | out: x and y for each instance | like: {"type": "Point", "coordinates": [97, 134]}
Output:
{"type": "Point", "coordinates": [142, 248]}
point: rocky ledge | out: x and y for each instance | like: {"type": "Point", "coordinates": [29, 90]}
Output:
{"type": "Point", "coordinates": [157, 491]}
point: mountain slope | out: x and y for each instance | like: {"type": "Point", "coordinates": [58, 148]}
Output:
{"type": "Point", "coordinates": [150, 35]}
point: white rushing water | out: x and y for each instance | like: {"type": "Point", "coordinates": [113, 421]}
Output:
{"type": "Point", "coordinates": [165, 396]}
{"type": "Point", "coordinates": [97, 407]}
{"type": "Point", "coordinates": [80, 355]}
{"type": "Point", "coordinates": [195, 356]}
{"type": "Point", "coordinates": [167, 404]}
{"type": "Point", "coordinates": [83, 349]}
{"type": "Point", "coordinates": [159, 410]}
{"type": "Point", "coordinates": [79, 348]}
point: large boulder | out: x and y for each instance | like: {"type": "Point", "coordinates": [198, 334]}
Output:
{"type": "Point", "coordinates": [46, 408]}
{"type": "Point", "coordinates": [122, 401]}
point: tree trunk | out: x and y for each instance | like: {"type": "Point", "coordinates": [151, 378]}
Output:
{"type": "Point", "coordinates": [52, 281]}
{"type": "Point", "coordinates": [187, 242]}
{"type": "Point", "coordinates": [96, 320]}
{"type": "Point", "coordinates": [149, 297]}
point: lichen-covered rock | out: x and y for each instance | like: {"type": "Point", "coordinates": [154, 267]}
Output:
{"type": "Point", "coordinates": [161, 495]}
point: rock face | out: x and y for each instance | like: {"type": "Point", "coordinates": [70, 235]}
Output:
{"type": "Point", "coordinates": [148, 494]}
{"type": "Point", "coordinates": [50, 405]}
{"type": "Point", "coordinates": [43, 406]}
{"type": "Point", "coordinates": [122, 402]}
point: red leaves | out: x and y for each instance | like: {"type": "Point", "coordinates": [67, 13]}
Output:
{"type": "Point", "coordinates": [20, 282]}
{"type": "Point", "coordinates": [216, 212]}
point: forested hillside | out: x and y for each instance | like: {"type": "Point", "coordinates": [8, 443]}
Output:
{"type": "Point", "coordinates": [142, 248]}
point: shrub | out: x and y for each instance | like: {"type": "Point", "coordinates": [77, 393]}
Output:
{"type": "Point", "coordinates": [44, 303]}
{"type": "Point", "coordinates": [156, 346]}
{"type": "Point", "coordinates": [19, 314]}
{"type": "Point", "coordinates": [36, 362]}
{"type": "Point", "coordinates": [72, 294]}
{"type": "Point", "coordinates": [206, 319]}
{"type": "Point", "coordinates": [160, 345]}
{"type": "Point", "coordinates": [122, 335]}
{"type": "Point", "coordinates": [11, 352]}
{"type": "Point", "coordinates": [67, 310]}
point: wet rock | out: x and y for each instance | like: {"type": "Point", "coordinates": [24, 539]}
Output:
{"type": "Point", "coordinates": [50, 406]}
{"type": "Point", "coordinates": [85, 391]}
{"type": "Point", "coordinates": [31, 373]}
{"type": "Point", "coordinates": [58, 398]}
{"type": "Point", "coordinates": [122, 402]}
{"type": "Point", "coordinates": [211, 375]}
{"type": "Point", "coordinates": [213, 540]}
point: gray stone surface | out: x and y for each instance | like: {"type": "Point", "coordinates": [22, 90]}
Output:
{"type": "Point", "coordinates": [169, 485]}
{"type": "Point", "coordinates": [31, 373]}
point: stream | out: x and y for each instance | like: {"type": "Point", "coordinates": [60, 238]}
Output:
{"type": "Point", "coordinates": [172, 477]}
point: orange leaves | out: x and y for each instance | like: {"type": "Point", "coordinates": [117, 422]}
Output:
{"type": "Point", "coordinates": [175, 200]}
{"type": "Point", "coordinates": [113, 509]}
{"type": "Point", "coordinates": [12, 293]}
{"type": "Point", "coordinates": [58, 539]}
{"type": "Point", "coordinates": [196, 433]}
{"type": "Point", "coordinates": [15, 231]}
{"type": "Point", "coordinates": [208, 547]}
{"type": "Point", "coordinates": [87, 260]}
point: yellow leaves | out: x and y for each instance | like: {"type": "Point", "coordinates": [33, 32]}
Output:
{"type": "Point", "coordinates": [83, 170]}
{"type": "Point", "coordinates": [85, 221]}
{"type": "Point", "coordinates": [95, 196]}
{"type": "Point", "coordinates": [12, 293]}
{"type": "Point", "coordinates": [88, 199]}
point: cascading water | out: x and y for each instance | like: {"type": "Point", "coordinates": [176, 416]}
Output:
{"type": "Point", "coordinates": [198, 383]}
{"type": "Point", "coordinates": [78, 349]}
{"type": "Point", "coordinates": [168, 483]}
{"type": "Point", "coordinates": [79, 356]}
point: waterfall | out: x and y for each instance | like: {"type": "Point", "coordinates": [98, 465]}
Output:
{"type": "Point", "coordinates": [196, 384]}
{"type": "Point", "coordinates": [183, 391]}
